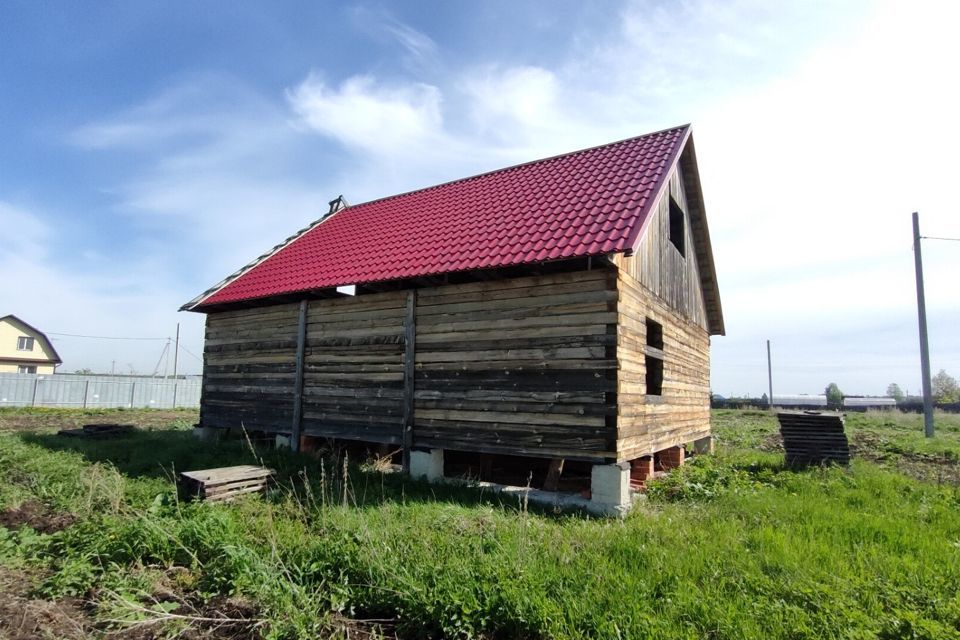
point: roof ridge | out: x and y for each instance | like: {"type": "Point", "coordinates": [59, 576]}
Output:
{"type": "Point", "coordinates": [517, 166]}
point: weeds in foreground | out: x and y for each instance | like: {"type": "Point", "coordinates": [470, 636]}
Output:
{"type": "Point", "coordinates": [731, 546]}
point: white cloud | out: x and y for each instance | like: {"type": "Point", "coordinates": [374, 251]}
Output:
{"type": "Point", "coordinates": [516, 99]}
{"type": "Point", "coordinates": [368, 116]}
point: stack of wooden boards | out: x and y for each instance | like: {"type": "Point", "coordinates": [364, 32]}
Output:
{"type": "Point", "coordinates": [814, 437]}
{"type": "Point", "coordinates": [97, 431]}
{"type": "Point", "coordinates": [225, 483]}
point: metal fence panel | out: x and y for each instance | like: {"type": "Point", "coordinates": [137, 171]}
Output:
{"type": "Point", "coordinates": [72, 390]}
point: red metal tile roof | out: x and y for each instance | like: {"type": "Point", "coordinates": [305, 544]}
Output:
{"type": "Point", "coordinates": [588, 202]}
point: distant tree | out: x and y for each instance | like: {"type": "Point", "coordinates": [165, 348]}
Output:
{"type": "Point", "coordinates": [84, 372]}
{"type": "Point", "coordinates": [834, 395]}
{"type": "Point", "coordinates": [894, 391]}
{"type": "Point", "coordinates": [765, 400]}
{"type": "Point", "coordinates": [944, 387]}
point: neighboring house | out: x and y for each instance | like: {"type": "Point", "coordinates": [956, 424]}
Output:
{"type": "Point", "coordinates": [25, 349]}
{"type": "Point", "coordinates": [555, 311]}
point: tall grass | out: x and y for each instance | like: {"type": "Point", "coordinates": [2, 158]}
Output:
{"type": "Point", "coordinates": [731, 546]}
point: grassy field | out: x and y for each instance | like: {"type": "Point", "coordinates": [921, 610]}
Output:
{"type": "Point", "coordinates": [93, 543]}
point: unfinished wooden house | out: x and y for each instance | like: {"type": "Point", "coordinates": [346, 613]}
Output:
{"type": "Point", "coordinates": [555, 314]}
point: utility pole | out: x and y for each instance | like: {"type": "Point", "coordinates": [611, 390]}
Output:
{"type": "Point", "coordinates": [176, 351]}
{"type": "Point", "coordinates": [769, 376]}
{"type": "Point", "coordinates": [924, 342]}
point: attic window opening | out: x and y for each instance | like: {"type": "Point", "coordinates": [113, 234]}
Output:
{"type": "Point", "coordinates": [25, 343]}
{"type": "Point", "coordinates": [677, 230]}
{"type": "Point", "coordinates": [654, 334]}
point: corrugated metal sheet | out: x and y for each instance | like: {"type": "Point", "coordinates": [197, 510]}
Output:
{"type": "Point", "coordinates": [69, 390]}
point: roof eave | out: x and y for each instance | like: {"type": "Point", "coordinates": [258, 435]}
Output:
{"type": "Point", "coordinates": [685, 156]}
{"type": "Point", "coordinates": [700, 227]}
{"type": "Point", "coordinates": [633, 238]}
{"type": "Point", "coordinates": [196, 303]}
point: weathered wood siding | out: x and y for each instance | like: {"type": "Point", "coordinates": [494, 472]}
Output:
{"type": "Point", "coordinates": [248, 367]}
{"type": "Point", "coordinates": [646, 424]}
{"type": "Point", "coordinates": [353, 368]}
{"type": "Point", "coordinates": [525, 366]}
{"type": "Point", "coordinates": [659, 267]}
{"type": "Point", "coordinates": [659, 283]}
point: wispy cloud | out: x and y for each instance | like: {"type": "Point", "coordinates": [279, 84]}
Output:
{"type": "Point", "coordinates": [420, 50]}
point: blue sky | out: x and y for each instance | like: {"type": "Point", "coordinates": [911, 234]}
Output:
{"type": "Point", "coordinates": [149, 149]}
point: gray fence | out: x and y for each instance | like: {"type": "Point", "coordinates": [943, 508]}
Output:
{"type": "Point", "coordinates": [68, 390]}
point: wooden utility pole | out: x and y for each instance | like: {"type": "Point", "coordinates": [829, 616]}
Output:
{"type": "Point", "coordinates": [924, 342]}
{"type": "Point", "coordinates": [297, 424]}
{"type": "Point", "coordinates": [769, 376]}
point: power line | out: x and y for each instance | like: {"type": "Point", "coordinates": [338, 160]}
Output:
{"type": "Point", "coordinates": [939, 238]}
{"type": "Point", "coordinates": [190, 353]}
{"type": "Point", "coordinates": [77, 335]}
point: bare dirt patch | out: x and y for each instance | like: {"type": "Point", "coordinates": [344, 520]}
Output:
{"type": "Point", "coordinates": [772, 442]}
{"type": "Point", "coordinates": [923, 466]}
{"type": "Point", "coordinates": [37, 516]}
{"type": "Point", "coordinates": [26, 618]}
{"type": "Point", "coordinates": [12, 420]}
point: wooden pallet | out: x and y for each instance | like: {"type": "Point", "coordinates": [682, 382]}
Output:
{"type": "Point", "coordinates": [97, 431]}
{"type": "Point", "coordinates": [224, 483]}
{"type": "Point", "coordinates": [814, 437]}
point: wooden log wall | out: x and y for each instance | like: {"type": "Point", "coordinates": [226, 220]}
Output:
{"type": "Point", "coordinates": [525, 366]}
{"type": "Point", "coordinates": [249, 365]}
{"type": "Point", "coordinates": [549, 366]}
{"type": "Point", "coordinates": [522, 366]}
{"type": "Point", "coordinates": [354, 367]}
{"type": "Point", "coordinates": [646, 423]}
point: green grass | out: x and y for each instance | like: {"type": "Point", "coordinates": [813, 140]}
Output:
{"type": "Point", "coordinates": [732, 546]}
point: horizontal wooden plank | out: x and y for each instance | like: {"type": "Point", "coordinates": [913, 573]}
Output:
{"type": "Point", "coordinates": [496, 417]}
{"type": "Point", "coordinates": [431, 295]}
